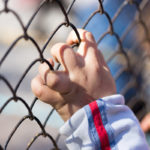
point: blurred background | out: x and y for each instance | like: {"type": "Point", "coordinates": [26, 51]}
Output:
{"type": "Point", "coordinates": [121, 30]}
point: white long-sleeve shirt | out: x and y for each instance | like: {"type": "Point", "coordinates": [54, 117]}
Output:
{"type": "Point", "coordinates": [105, 124]}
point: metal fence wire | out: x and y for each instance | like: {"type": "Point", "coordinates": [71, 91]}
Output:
{"type": "Point", "coordinates": [130, 68]}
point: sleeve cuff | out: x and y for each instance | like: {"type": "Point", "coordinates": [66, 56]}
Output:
{"type": "Point", "coordinates": [104, 124]}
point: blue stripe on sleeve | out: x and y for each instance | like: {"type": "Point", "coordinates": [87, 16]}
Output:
{"type": "Point", "coordinates": [107, 126]}
{"type": "Point", "coordinates": [92, 130]}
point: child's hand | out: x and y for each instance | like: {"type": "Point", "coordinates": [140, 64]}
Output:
{"type": "Point", "coordinates": [85, 77]}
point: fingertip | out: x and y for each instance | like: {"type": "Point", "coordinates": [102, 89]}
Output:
{"type": "Point", "coordinates": [57, 50]}
{"type": "Point", "coordinates": [65, 55]}
{"type": "Point", "coordinates": [43, 92]}
{"type": "Point", "coordinates": [57, 53]}
{"type": "Point", "coordinates": [84, 36]}
{"type": "Point", "coordinates": [56, 47]}
{"type": "Point", "coordinates": [72, 38]}
{"type": "Point", "coordinates": [54, 52]}
{"type": "Point", "coordinates": [51, 62]}
{"type": "Point", "coordinates": [43, 70]}
{"type": "Point", "coordinates": [36, 86]}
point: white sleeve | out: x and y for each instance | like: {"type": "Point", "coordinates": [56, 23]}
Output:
{"type": "Point", "coordinates": [105, 124]}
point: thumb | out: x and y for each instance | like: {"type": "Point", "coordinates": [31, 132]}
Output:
{"type": "Point", "coordinates": [59, 81]}
{"type": "Point", "coordinates": [56, 80]}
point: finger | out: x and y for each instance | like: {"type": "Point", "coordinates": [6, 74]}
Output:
{"type": "Point", "coordinates": [43, 92]}
{"type": "Point", "coordinates": [56, 80]}
{"type": "Point", "coordinates": [51, 62]}
{"type": "Point", "coordinates": [94, 56]}
{"type": "Point", "coordinates": [87, 41]}
{"type": "Point", "coordinates": [43, 70]}
{"type": "Point", "coordinates": [84, 35]}
{"type": "Point", "coordinates": [65, 55]}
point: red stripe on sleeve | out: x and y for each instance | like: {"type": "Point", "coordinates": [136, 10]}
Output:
{"type": "Point", "coordinates": [99, 126]}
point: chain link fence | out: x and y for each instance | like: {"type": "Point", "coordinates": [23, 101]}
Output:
{"type": "Point", "coordinates": [132, 57]}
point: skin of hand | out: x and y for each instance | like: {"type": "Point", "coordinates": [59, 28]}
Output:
{"type": "Point", "coordinates": [85, 77]}
{"type": "Point", "coordinates": [145, 123]}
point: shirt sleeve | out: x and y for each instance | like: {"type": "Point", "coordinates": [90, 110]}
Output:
{"type": "Point", "coordinates": [104, 124]}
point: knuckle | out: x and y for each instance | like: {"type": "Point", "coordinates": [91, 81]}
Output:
{"type": "Point", "coordinates": [53, 81]}
{"type": "Point", "coordinates": [96, 68]}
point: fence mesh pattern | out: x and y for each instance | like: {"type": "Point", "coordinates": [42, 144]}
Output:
{"type": "Point", "coordinates": [120, 50]}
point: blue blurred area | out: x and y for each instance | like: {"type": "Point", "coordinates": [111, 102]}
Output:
{"type": "Point", "coordinates": [55, 120]}
{"type": "Point", "coordinates": [99, 23]}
